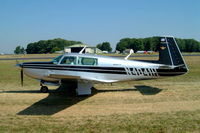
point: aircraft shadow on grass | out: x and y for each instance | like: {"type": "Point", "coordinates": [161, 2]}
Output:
{"type": "Point", "coordinates": [143, 89]}
{"type": "Point", "coordinates": [58, 101]}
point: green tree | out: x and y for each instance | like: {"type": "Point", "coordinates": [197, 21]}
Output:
{"type": "Point", "coordinates": [155, 41]}
{"type": "Point", "coordinates": [147, 44]}
{"type": "Point", "coordinates": [99, 46]}
{"type": "Point", "coordinates": [49, 46]}
{"type": "Point", "coordinates": [123, 44]}
{"type": "Point", "coordinates": [136, 44]}
{"type": "Point", "coordinates": [181, 44]}
{"type": "Point", "coordinates": [130, 43]}
{"type": "Point", "coordinates": [105, 46]}
{"type": "Point", "coordinates": [192, 45]}
{"type": "Point", "coordinates": [55, 49]}
{"type": "Point", "coordinates": [19, 50]}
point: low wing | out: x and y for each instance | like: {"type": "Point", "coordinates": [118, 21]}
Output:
{"type": "Point", "coordinates": [69, 77]}
{"type": "Point", "coordinates": [101, 81]}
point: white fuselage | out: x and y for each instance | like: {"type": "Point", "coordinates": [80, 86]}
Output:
{"type": "Point", "coordinates": [107, 70]}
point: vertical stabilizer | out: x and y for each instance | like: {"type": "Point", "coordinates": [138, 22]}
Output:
{"type": "Point", "coordinates": [169, 53]}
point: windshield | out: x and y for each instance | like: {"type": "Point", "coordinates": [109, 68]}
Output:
{"type": "Point", "coordinates": [57, 59]}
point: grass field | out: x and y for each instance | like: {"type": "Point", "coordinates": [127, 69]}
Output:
{"type": "Point", "coordinates": [155, 106]}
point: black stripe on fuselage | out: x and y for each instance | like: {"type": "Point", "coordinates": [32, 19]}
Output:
{"type": "Point", "coordinates": [172, 72]}
{"type": "Point", "coordinates": [97, 69]}
{"type": "Point", "coordinates": [79, 70]}
{"type": "Point", "coordinates": [70, 66]}
{"type": "Point", "coordinates": [33, 63]}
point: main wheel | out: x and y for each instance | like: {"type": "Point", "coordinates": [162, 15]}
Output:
{"type": "Point", "coordinates": [44, 89]}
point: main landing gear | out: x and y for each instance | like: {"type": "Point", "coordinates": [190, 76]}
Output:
{"type": "Point", "coordinates": [71, 87]}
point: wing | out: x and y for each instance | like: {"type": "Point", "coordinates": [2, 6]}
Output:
{"type": "Point", "coordinates": [70, 77]}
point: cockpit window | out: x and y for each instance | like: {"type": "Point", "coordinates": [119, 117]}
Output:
{"type": "Point", "coordinates": [57, 59]}
{"type": "Point", "coordinates": [69, 60]}
{"type": "Point", "coordinates": [87, 61]}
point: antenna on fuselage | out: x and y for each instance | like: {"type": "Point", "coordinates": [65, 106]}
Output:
{"type": "Point", "coordinates": [82, 50]}
{"type": "Point", "coordinates": [131, 51]}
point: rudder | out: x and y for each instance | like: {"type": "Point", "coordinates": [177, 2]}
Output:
{"type": "Point", "coordinates": [169, 53]}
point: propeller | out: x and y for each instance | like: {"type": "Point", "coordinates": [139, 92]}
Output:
{"type": "Point", "coordinates": [22, 76]}
{"type": "Point", "coordinates": [21, 72]}
{"type": "Point", "coordinates": [17, 62]}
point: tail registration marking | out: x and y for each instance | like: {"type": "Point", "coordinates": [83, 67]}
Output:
{"type": "Point", "coordinates": [141, 71]}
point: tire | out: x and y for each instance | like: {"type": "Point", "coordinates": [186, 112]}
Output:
{"type": "Point", "coordinates": [44, 89]}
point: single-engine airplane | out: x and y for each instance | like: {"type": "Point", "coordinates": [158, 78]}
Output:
{"type": "Point", "coordinates": [84, 70]}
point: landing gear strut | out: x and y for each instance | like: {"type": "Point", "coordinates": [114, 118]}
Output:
{"type": "Point", "coordinates": [44, 89]}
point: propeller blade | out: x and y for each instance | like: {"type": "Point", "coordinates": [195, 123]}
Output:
{"type": "Point", "coordinates": [22, 77]}
{"type": "Point", "coordinates": [17, 62]}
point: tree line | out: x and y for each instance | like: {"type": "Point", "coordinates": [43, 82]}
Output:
{"type": "Point", "coordinates": [19, 50]}
{"type": "Point", "coordinates": [46, 46]}
{"type": "Point", "coordinates": [105, 46]}
{"type": "Point", "coordinates": [150, 44]}
{"type": "Point", "coordinates": [50, 46]}
{"type": "Point", "coordinates": [137, 44]}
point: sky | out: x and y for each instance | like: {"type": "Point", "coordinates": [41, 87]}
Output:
{"type": "Point", "coordinates": [95, 21]}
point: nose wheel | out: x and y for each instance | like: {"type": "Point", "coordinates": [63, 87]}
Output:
{"type": "Point", "coordinates": [44, 89]}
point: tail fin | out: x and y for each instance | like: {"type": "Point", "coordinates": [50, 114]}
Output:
{"type": "Point", "coordinates": [169, 53]}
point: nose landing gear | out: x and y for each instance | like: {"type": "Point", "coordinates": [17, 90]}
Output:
{"type": "Point", "coordinates": [44, 89]}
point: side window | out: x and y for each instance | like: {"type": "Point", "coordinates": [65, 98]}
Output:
{"type": "Point", "coordinates": [69, 60]}
{"type": "Point", "coordinates": [88, 61]}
